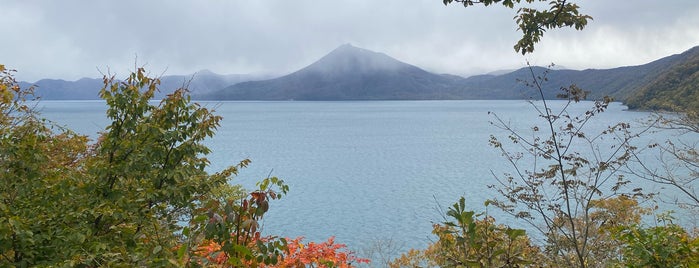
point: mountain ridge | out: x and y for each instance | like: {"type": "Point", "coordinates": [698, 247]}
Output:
{"type": "Point", "coordinates": [674, 89]}
{"type": "Point", "coordinates": [346, 73]}
{"type": "Point", "coordinates": [353, 73]}
{"type": "Point", "coordinates": [330, 78]}
{"type": "Point", "coordinates": [88, 88]}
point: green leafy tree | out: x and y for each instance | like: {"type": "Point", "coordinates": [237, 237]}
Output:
{"type": "Point", "coordinates": [534, 22]}
{"type": "Point", "coordinates": [40, 170]}
{"type": "Point", "coordinates": [139, 196]}
{"type": "Point", "coordinates": [663, 245]}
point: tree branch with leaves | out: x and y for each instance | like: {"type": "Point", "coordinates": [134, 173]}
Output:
{"type": "Point", "coordinates": [533, 22]}
{"type": "Point", "coordinates": [560, 170]}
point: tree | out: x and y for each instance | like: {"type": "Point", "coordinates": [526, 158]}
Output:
{"type": "Point", "coordinates": [619, 236]}
{"type": "Point", "coordinates": [560, 170]}
{"type": "Point", "coordinates": [534, 22]}
{"type": "Point", "coordinates": [663, 245]}
{"type": "Point", "coordinates": [566, 193]}
{"type": "Point", "coordinates": [468, 239]}
{"type": "Point", "coordinates": [607, 216]}
{"type": "Point", "coordinates": [227, 231]}
{"type": "Point", "coordinates": [677, 162]}
{"type": "Point", "coordinates": [675, 93]}
{"type": "Point", "coordinates": [146, 171]}
{"type": "Point", "coordinates": [40, 171]}
{"type": "Point", "coordinates": [139, 196]}
{"type": "Point", "coordinates": [297, 254]}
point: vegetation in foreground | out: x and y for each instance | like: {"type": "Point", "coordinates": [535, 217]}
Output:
{"type": "Point", "coordinates": [140, 195]}
{"type": "Point", "coordinates": [571, 187]}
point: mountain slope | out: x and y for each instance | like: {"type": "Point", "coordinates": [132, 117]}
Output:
{"type": "Point", "coordinates": [57, 89]}
{"type": "Point", "coordinates": [349, 73]}
{"type": "Point", "coordinates": [201, 82]}
{"type": "Point", "coordinates": [619, 82]}
{"type": "Point", "coordinates": [675, 89]}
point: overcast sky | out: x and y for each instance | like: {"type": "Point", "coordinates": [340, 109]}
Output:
{"type": "Point", "coordinates": [74, 39]}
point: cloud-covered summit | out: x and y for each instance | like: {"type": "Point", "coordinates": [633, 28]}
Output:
{"type": "Point", "coordinates": [348, 58]}
{"type": "Point", "coordinates": [348, 73]}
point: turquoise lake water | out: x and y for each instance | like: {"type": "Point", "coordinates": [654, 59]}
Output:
{"type": "Point", "coordinates": [363, 171]}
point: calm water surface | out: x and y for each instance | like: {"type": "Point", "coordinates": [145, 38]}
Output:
{"type": "Point", "coordinates": [360, 171]}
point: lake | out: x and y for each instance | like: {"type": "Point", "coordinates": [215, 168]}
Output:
{"type": "Point", "coordinates": [362, 171]}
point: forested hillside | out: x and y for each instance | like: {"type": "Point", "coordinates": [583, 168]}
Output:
{"type": "Point", "coordinates": [675, 89]}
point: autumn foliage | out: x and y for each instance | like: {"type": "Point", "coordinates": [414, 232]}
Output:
{"type": "Point", "coordinates": [298, 254]}
{"type": "Point", "coordinates": [325, 254]}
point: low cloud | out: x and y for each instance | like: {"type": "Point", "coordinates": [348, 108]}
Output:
{"type": "Point", "coordinates": [72, 39]}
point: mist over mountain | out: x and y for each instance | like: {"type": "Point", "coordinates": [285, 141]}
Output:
{"type": "Point", "coordinates": [58, 89]}
{"type": "Point", "coordinates": [201, 82]}
{"type": "Point", "coordinates": [348, 73]}
{"type": "Point", "coordinates": [352, 73]}
{"type": "Point", "coordinates": [618, 83]}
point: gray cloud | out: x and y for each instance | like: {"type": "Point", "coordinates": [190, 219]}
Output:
{"type": "Point", "coordinates": [71, 39]}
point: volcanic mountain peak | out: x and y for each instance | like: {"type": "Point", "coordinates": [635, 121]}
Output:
{"type": "Point", "coordinates": [348, 58]}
